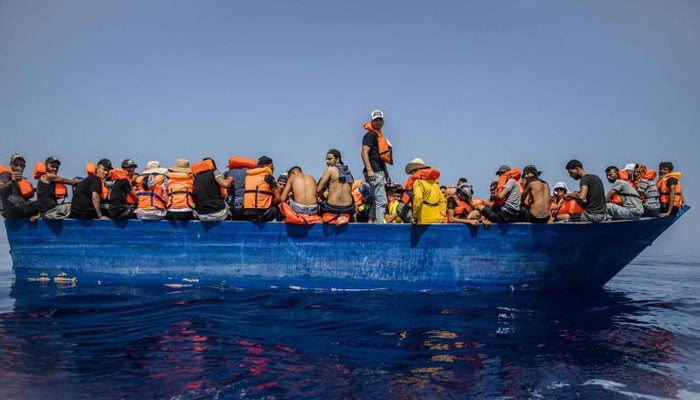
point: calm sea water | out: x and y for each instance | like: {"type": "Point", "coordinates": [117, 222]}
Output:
{"type": "Point", "coordinates": [639, 338]}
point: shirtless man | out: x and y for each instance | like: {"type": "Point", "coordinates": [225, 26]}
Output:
{"type": "Point", "coordinates": [335, 186]}
{"type": "Point", "coordinates": [536, 196]}
{"type": "Point", "coordinates": [300, 190]}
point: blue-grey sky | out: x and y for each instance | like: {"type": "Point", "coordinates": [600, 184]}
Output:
{"type": "Point", "coordinates": [465, 85]}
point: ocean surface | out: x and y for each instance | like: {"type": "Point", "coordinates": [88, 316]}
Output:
{"type": "Point", "coordinates": [638, 338]}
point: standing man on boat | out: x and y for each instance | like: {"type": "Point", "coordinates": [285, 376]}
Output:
{"type": "Point", "coordinates": [376, 154]}
{"type": "Point", "coordinates": [591, 196]}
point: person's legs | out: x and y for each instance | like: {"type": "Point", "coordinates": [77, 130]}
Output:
{"type": "Point", "coordinates": [378, 193]}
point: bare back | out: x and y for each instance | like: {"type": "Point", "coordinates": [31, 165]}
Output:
{"type": "Point", "coordinates": [538, 192]}
{"type": "Point", "coordinates": [339, 193]}
{"type": "Point", "coordinates": [303, 189]}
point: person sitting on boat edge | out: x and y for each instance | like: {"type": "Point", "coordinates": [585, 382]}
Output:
{"type": "Point", "coordinates": [261, 194]}
{"type": "Point", "coordinates": [334, 189]}
{"type": "Point", "coordinates": [535, 197]}
{"type": "Point", "coordinates": [50, 188]}
{"type": "Point", "coordinates": [460, 208]}
{"type": "Point", "coordinates": [299, 191]}
{"type": "Point", "coordinates": [393, 194]}
{"type": "Point", "coordinates": [210, 190]}
{"type": "Point", "coordinates": [180, 192]}
{"type": "Point", "coordinates": [90, 192]}
{"type": "Point", "coordinates": [428, 203]}
{"type": "Point", "coordinates": [505, 198]}
{"type": "Point", "coordinates": [152, 193]}
{"type": "Point", "coordinates": [563, 208]}
{"type": "Point", "coordinates": [376, 154]}
{"type": "Point", "coordinates": [623, 201]}
{"type": "Point", "coordinates": [591, 195]}
{"type": "Point", "coordinates": [237, 170]}
{"type": "Point", "coordinates": [670, 193]}
{"type": "Point", "coordinates": [122, 196]}
{"type": "Point", "coordinates": [282, 181]}
{"type": "Point", "coordinates": [16, 191]}
{"type": "Point", "coordinates": [643, 181]}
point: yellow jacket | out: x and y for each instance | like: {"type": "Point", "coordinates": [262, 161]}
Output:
{"type": "Point", "coordinates": [429, 205]}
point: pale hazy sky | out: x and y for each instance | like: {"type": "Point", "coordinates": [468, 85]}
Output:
{"type": "Point", "coordinates": [465, 85]}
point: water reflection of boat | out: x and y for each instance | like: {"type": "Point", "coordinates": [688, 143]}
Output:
{"type": "Point", "coordinates": [355, 256]}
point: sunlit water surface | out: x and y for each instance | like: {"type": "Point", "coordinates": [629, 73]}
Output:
{"type": "Point", "coordinates": [639, 338]}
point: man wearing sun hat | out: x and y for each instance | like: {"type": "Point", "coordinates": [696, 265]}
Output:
{"type": "Point", "coordinates": [151, 192]}
{"type": "Point", "coordinates": [376, 154]}
{"type": "Point", "coordinates": [180, 191]}
{"type": "Point", "coordinates": [428, 203]}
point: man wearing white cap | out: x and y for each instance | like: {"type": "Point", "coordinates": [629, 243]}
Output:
{"type": "Point", "coordinates": [376, 154]}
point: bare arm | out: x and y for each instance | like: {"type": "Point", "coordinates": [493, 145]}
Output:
{"type": "Point", "coordinates": [323, 184]}
{"type": "Point", "coordinates": [365, 160]}
{"type": "Point", "coordinates": [287, 189]}
{"type": "Point", "coordinates": [96, 205]}
{"type": "Point", "coordinates": [223, 182]}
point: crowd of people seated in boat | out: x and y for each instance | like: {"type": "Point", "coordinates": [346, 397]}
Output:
{"type": "Point", "coordinates": [248, 190]}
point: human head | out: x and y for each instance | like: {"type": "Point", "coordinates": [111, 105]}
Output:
{"type": "Point", "coordinates": [415, 165]}
{"type": "Point", "coordinates": [502, 169]}
{"type": "Point", "coordinates": [377, 118]}
{"type": "Point", "coordinates": [265, 161]}
{"type": "Point", "coordinates": [129, 163]}
{"type": "Point", "coordinates": [103, 168]}
{"type": "Point", "coordinates": [665, 167]}
{"type": "Point", "coordinates": [52, 164]}
{"type": "Point", "coordinates": [17, 162]}
{"type": "Point", "coordinates": [560, 189]}
{"type": "Point", "coordinates": [531, 170]}
{"type": "Point", "coordinates": [639, 170]}
{"type": "Point", "coordinates": [333, 157]}
{"type": "Point", "coordinates": [443, 189]}
{"type": "Point", "coordinates": [630, 168]}
{"type": "Point", "coordinates": [462, 181]}
{"type": "Point", "coordinates": [153, 167]}
{"type": "Point", "coordinates": [181, 165]}
{"type": "Point", "coordinates": [612, 173]}
{"type": "Point", "coordinates": [465, 192]}
{"type": "Point", "coordinates": [575, 169]}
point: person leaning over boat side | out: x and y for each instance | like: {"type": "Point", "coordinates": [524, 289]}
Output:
{"type": "Point", "coordinates": [591, 195]}
{"type": "Point", "coordinates": [623, 201]}
{"type": "Point", "coordinates": [643, 181]}
{"type": "Point", "coordinates": [180, 192]}
{"type": "Point", "coordinates": [210, 190]}
{"type": "Point", "coordinates": [300, 192]}
{"type": "Point", "coordinates": [88, 193]}
{"type": "Point", "coordinates": [334, 188]}
{"type": "Point", "coordinates": [505, 197]}
{"type": "Point", "coordinates": [376, 154]}
{"type": "Point", "coordinates": [50, 188]}
{"type": "Point", "coordinates": [428, 203]}
{"type": "Point", "coordinates": [261, 194]}
{"type": "Point", "coordinates": [152, 193]}
{"type": "Point", "coordinates": [16, 191]}
{"type": "Point", "coordinates": [562, 208]}
{"type": "Point", "coordinates": [535, 197]}
{"type": "Point", "coordinates": [122, 196]}
{"type": "Point", "coordinates": [460, 208]}
{"type": "Point", "coordinates": [670, 193]}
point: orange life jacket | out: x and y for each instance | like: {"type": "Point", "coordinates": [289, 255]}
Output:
{"type": "Point", "coordinates": [462, 208]}
{"type": "Point", "coordinates": [258, 194]}
{"type": "Point", "coordinates": [513, 173]}
{"type": "Point", "coordinates": [91, 169]}
{"type": "Point", "coordinates": [180, 191]}
{"type": "Point", "coordinates": [25, 187]}
{"type": "Point", "coordinates": [204, 166]}
{"type": "Point", "coordinates": [241, 162]}
{"type": "Point", "coordinates": [425, 173]}
{"type": "Point", "coordinates": [117, 174]}
{"type": "Point", "coordinates": [624, 175]}
{"type": "Point", "coordinates": [569, 206]}
{"type": "Point", "coordinates": [384, 147]}
{"type": "Point", "coordinates": [293, 217]}
{"type": "Point", "coordinates": [665, 193]}
{"type": "Point", "coordinates": [154, 197]}
{"type": "Point", "coordinates": [335, 219]}
{"type": "Point", "coordinates": [60, 189]}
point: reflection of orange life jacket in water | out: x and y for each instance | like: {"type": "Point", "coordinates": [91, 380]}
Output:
{"type": "Point", "coordinates": [383, 145]}
{"type": "Point", "coordinates": [513, 173]}
{"type": "Point", "coordinates": [180, 190]}
{"type": "Point", "coordinates": [665, 192]}
{"type": "Point", "coordinates": [150, 192]}
{"type": "Point", "coordinates": [25, 187]}
{"type": "Point", "coordinates": [60, 189]}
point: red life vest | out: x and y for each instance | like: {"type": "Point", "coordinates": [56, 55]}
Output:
{"type": "Point", "coordinates": [384, 147]}
{"type": "Point", "coordinates": [664, 191]}
{"type": "Point", "coordinates": [180, 191]}
{"type": "Point", "coordinates": [154, 196]}
{"type": "Point", "coordinates": [258, 193]}
{"type": "Point", "coordinates": [60, 189]}
{"type": "Point", "coordinates": [513, 173]}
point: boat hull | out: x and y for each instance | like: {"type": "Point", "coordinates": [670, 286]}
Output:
{"type": "Point", "coordinates": [355, 256]}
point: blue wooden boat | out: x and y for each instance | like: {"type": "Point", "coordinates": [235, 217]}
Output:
{"type": "Point", "coordinates": [354, 256]}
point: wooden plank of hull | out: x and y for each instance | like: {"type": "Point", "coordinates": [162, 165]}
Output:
{"type": "Point", "coordinates": [356, 256]}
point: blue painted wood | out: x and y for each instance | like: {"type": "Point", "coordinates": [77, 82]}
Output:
{"type": "Point", "coordinates": [355, 256]}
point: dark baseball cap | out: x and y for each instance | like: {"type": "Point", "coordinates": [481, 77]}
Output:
{"type": "Point", "coordinates": [128, 163]}
{"type": "Point", "coordinates": [105, 163]}
{"type": "Point", "coordinates": [52, 160]}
